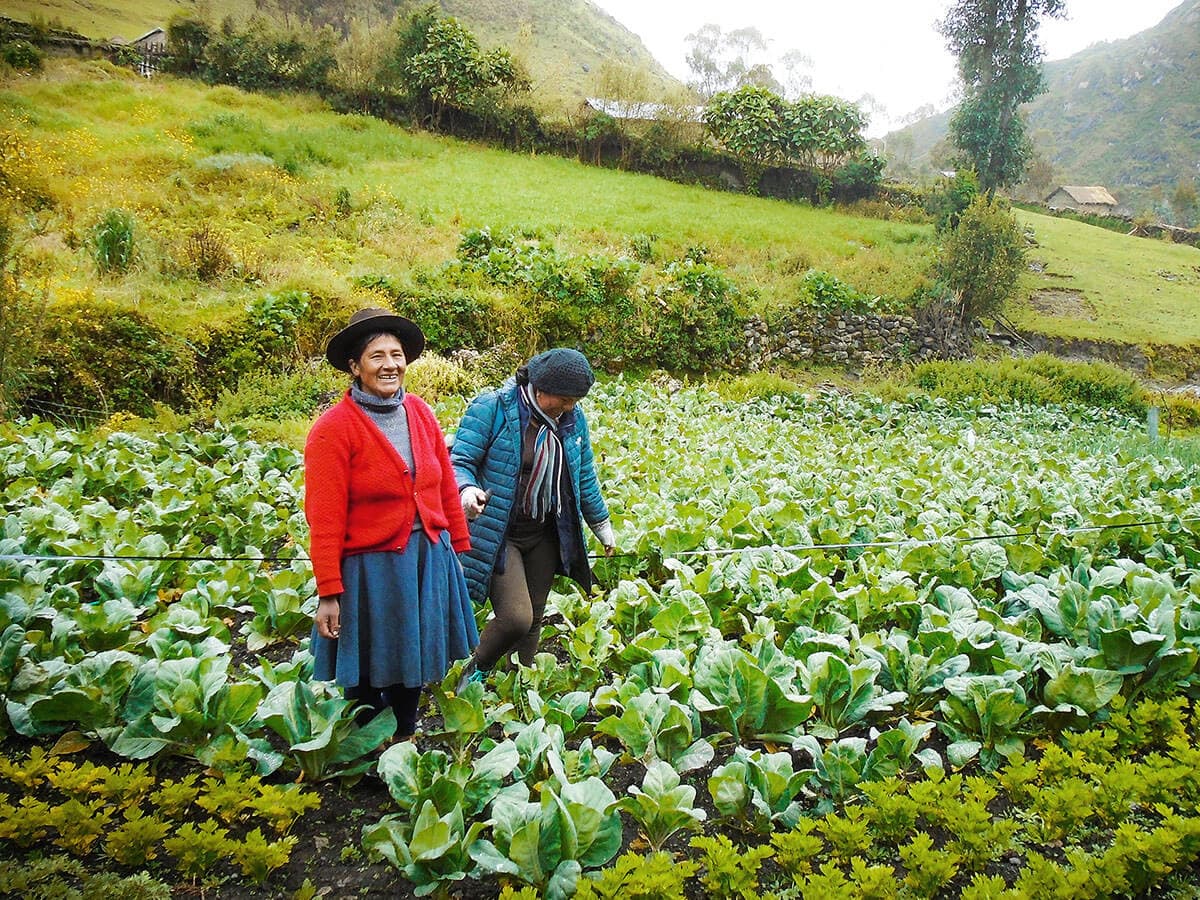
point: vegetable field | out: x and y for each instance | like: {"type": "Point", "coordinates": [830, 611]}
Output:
{"type": "Point", "coordinates": [853, 649]}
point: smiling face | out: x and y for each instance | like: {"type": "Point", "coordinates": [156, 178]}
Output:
{"type": "Point", "coordinates": [380, 367]}
{"type": "Point", "coordinates": [552, 404]}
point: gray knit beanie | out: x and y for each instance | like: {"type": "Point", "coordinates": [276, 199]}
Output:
{"type": "Point", "coordinates": [562, 372]}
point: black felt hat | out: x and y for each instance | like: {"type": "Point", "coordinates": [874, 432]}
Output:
{"type": "Point", "coordinates": [366, 321]}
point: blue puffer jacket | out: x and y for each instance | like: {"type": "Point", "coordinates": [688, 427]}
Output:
{"type": "Point", "coordinates": [487, 454]}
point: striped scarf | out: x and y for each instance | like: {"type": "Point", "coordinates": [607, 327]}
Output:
{"type": "Point", "coordinates": [542, 493]}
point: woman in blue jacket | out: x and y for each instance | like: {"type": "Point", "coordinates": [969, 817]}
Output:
{"type": "Point", "coordinates": [527, 481]}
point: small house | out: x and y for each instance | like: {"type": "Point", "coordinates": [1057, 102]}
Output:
{"type": "Point", "coordinates": [1083, 199]}
{"type": "Point", "coordinates": [154, 41]}
{"type": "Point", "coordinates": [641, 111]}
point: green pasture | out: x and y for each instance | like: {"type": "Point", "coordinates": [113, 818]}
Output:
{"type": "Point", "coordinates": [265, 172]}
{"type": "Point", "coordinates": [1100, 285]}
{"type": "Point", "coordinates": [106, 19]}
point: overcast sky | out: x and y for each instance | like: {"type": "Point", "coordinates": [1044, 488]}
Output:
{"type": "Point", "coordinates": [886, 48]}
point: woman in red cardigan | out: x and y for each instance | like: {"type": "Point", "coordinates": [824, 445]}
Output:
{"type": "Point", "coordinates": [385, 524]}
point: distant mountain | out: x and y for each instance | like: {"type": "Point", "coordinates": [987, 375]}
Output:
{"type": "Point", "coordinates": [1124, 114]}
{"type": "Point", "coordinates": [563, 42]}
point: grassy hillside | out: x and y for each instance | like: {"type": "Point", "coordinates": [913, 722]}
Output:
{"type": "Point", "coordinates": [1101, 285]}
{"type": "Point", "coordinates": [106, 19]}
{"type": "Point", "coordinates": [1122, 113]}
{"type": "Point", "coordinates": [265, 173]}
{"type": "Point", "coordinates": [1125, 113]}
{"type": "Point", "coordinates": [563, 43]}
{"type": "Point", "coordinates": [303, 199]}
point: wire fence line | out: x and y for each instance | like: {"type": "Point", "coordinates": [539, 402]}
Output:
{"type": "Point", "coordinates": [944, 539]}
{"type": "Point", "coordinates": [42, 403]}
{"type": "Point", "coordinates": [719, 551]}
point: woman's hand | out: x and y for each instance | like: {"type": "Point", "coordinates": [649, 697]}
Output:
{"type": "Point", "coordinates": [473, 501]}
{"type": "Point", "coordinates": [604, 533]}
{"type": "Point", "coordinates": [329, 617]}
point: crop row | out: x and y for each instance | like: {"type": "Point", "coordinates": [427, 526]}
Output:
{"type": "Point", "coordinates": [821, 596]}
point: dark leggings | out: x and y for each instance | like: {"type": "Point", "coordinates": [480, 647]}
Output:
{"type": "Point", "coordinates": [402, 700]}
{"type": "Point", "coordinates": [519, 600]}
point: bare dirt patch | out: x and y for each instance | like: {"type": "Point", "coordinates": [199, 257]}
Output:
{"type": "Point", "coordinates": [1065, 303]}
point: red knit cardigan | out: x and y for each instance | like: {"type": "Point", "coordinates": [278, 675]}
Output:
{"type": "Point", "coordinates": [359, 496]}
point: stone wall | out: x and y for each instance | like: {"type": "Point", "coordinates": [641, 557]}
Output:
{"type": "Point", "coordinates": [851, 340]}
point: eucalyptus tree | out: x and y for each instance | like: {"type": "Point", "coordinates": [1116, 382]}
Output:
{"type": "Point", "coordinates": [1000, 65]}
{"type": "Point", "coordinates": [724, 61]}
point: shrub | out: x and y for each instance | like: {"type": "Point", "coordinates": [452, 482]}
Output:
{"type": "Point", "coordinates": [324, 317]}
{"type": "Point", "coordinates": [263, 336]}
{"type": "Point", "coordinates": [495, 364]}
{"type": "Point", "coordinates": [477, 243]}
{"type": "Point", "coordinates": [268, 394]}
{"type": "Point", "coordinates": [581, 301]}
{"type": "Point", "coordinates": [888, 210]}
{"type": "Point", "coordinates": [433, 378]}
{"type": "Point", "coordinates": [593, 133]}
{"type": "Point", "coordinates": [188, 37]}
{"type": "Point", "coordinates": [21, 55]}
{"type": "Point", "coordinates": [21, 314]}
{"type": "Point", "coordinates": [23, 172]}
{"type": "Point", "coordinates": [127, 55]}
{"type": "Point", "coordinates": [257, 57]}
{"type": "Point", "coordinates": [828, 292]}
{"type": "Point", "coordinates": [691, 323]}
{"type": "Point", "coordinates": [343, 203]}
{"type": "Point", "coordinates": [983, 257]}
{"type": "Point", "coordinates": [444, 68]}
{"type": "Point", "coordinates": [1093, 383]}
{"type": "Point", "coordinates": [273, 318]}
{"type": "Point", "coordinates": [952, 197]}
{"type": "Point", "coordinates": [584, 299]}
{"type": "Point", "coordinates": [452, 319]}
{"type": "Point", "coordinates": [1041, 379]}
{"type": "Point", "coordinates": [754, 386]}
{"type": "Point", "coordinates": [858, 178]}
{"type": "Point", "coordinates": [206, 253]}
{"type": "Point", "coordinates": [687, 319]}
{"type": "Point", "coordinates": [1181, 411]}
{"type": "Point", "coordinates": [112, 242]}
{"type": "Point", "coordinates": [96, 358]}
{"type": "Point", "coordinates": [642, 247]}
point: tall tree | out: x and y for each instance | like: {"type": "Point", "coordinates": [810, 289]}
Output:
{"type": "Point", "coordinates": [444, 68]}
{"type": "Point", "coordinates": [1000, 64]}
{"type": "Point", "coordinates": [725, 61]}
{"type": "Point", "coordinates": [796, 79]}
{"type": "Point", "coordinates": [1184, 202]}
{"type": "Point", "coordinates": [816, 132]}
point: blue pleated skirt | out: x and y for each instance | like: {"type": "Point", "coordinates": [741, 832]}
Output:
{"type": "Point", "coordinates": [405, 618]}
